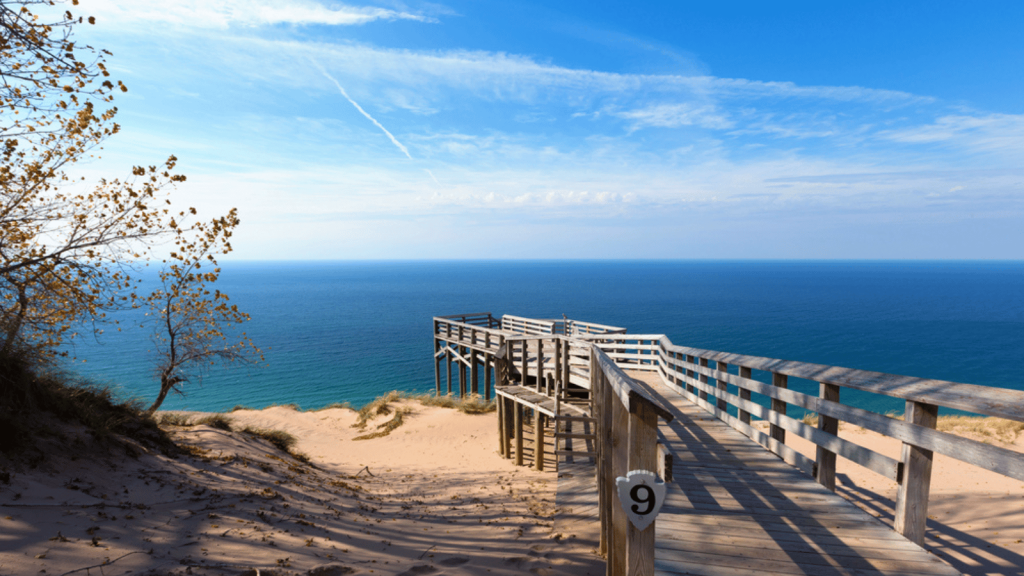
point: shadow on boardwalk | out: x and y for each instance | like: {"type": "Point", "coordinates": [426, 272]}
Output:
{"type": "Point", "coordinates": [965, 552]}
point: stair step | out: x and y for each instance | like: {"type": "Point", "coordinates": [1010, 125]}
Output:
{"type": "Point", "coordinates": [568, 435]}
{"type": "Point", "coordinates": [573, 453]}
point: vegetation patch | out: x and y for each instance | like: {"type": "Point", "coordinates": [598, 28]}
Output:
{"type": "Point", "coordinates": [218, 421]}
{"type": "Point", "coordinates": [27, 390]}
{"type": "Point", "coordinates": [984, 426]}
{"type": "Point", "coordinates": [387, 427]}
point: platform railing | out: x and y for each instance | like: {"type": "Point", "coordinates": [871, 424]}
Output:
{"type": "Point", "coordinates": [705, 377]}
{"type": "Point", "coordinates": [627, 439]}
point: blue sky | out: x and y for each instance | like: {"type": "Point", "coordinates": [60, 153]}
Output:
{"type": "Point", "coordinates": [480, 129]}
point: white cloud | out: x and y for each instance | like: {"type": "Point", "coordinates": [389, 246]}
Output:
{"type": "Point", "coordinates": [677, 115]}
{"type": "Point", "coordinates": [222, 14]}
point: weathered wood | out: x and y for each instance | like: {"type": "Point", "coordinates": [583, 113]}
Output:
{"type": "Point", "coordinates": [625, 389]}
{"type": "Point", "coordinates": [540, 365]}
{"type": "Point", "coordinates": [744, 394]}
{"type": "Point", "coordinates": [509, 430]}
{"type": "Point", "coordinates": [778, 406]}
{"type": "Point", "coordinates": [1000, 460]}
{"type": "Point", "coordinates": [525, 362]}
{"type": "Point", "coordinates": [538, 442]}
{"type": "Point", "coordinates": [488, 366]}
{"type": "Point", "coordinates": [825, 460]}
{"type": "Point", "coordinates": [703, 378]}
{"type": "Point", "coordinates": [519, 433]}
{"type": "Point", "coordinates": [501, 428]}
{"type": "Point", "coordinates": [619, 456]}
{"type": "Point", "coordinates": [474, 372]}
{"type": "Point", "coordinates": [990, 401]}
{"type": "Point", "coordinates": [871, 460]}
{"type": "Point", "coordinates": [448, 362]}
{"type": "Point", "coordinates": [642, 455]}
{"type": "Point", "coordinates": [691, 360]}
{"type": "Point", "coordinates": [665, 462]}
{"type": "Point", "coordinates": [722, 385]}
{"type": "Point", "coordinates": [912, 498]}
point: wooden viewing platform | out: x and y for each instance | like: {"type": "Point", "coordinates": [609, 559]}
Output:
{"type": "Point", "coordinates": [739, 499]}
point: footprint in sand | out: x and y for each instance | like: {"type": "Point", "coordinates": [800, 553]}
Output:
{"type": "Point", "coordinates": [421, 569]}
{"type": "Point", "coordinates": [453, 561]}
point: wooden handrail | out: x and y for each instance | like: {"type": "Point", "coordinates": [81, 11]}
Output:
{"type": "Point", "coordinates": [627, 433]}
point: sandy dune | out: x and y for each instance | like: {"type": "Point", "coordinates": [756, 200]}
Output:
{"type": "Point", "coordinates": [439, 501]}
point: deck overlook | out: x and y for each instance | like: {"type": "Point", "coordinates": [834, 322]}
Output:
{"type": "Point", "coordinates": [739, 498]}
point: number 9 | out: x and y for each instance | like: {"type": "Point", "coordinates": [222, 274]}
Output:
{"type": "Point", "coordinates": [648, 499]}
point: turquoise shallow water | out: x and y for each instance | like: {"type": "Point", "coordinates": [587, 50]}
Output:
{"type": "Point", "coordinates": [350, 331]}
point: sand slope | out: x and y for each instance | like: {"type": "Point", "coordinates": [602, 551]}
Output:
{"type": "Point", "coordinates": [439, 501]}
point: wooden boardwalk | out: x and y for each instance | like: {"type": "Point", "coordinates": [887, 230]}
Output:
{"type": "Point", "coordinates": [734, 508]}
{"type": "Point", "coordinates": [739, 500]}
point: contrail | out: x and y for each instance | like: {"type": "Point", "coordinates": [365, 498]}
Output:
{"type": "Point", "coordinates": [432, 176]}
{"type": "Point", "coordinates": [368, 117]}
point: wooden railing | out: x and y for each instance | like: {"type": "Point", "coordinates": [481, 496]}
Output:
{"type": "Point", "coordinates": [720, 381]}
{"type": "Point", "coordinates": [627, 434]}
{"type": "Point", "coordinates": [470, 340]}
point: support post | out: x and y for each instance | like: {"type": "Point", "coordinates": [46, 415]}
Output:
{"type": "Point", "coordinates": [488, 366]}
{"type": "Point", "coordinates": [782, 381]}
{"type": "Point", "coordinates": [912, 498]}
{"type": "Point", "coordinates": [619, 447]}
{"type": "Point", "coordinates": [506, 434]}
{"type": "Point", "coordinates": [722, 385]}
{"type": "Point", "coordinates": [474, 371]}
{"type": "Point", "coordinates": [464, 353]}
{"type": "Point", "coordinates": [825, 461]}
{"type": "Point", "coordinates": [745, 394]}
{"type": "Point", "coordinates": [519, 433]}
{"type": "Point", "coordinates": [643, 455]}
{"type": "Point", "coordinates": [501, 428]}
{"type": "Point", "coordinates": [437, 361]}
{"type": "Point", "coordinates": [538, 441]}
{"type": "Point", "coordinates": [448, 362]}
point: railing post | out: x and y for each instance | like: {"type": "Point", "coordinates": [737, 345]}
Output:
{"type": "Point", "coordinates": [703, 379]}
{"type": "Point", "coordinates": [437, 361]}
{"type": "Point", "coordinates": [825, 461]}
{"type": "Point", "coordinates": [912, 498]}
{"type": "Point", "coordinates": [540, 364]}
{"type": "Point", "coordinates": [643, 455]}
{"type": "Point", "coordinates": [722, 385]}
{"type": "Point", "coordinates": [690, 373]}
{"type": "Point", "coordinates": [777, 432]}
{"type": "Point", "coordinates": [525, 362]}
{"type": "Point", "coordinates": [519, 433]}
{"type": "Point", "coordinates": [745, 394]}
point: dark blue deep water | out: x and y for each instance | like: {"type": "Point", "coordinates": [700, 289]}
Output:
{"type": "Point", "coordinates": [350, 331]}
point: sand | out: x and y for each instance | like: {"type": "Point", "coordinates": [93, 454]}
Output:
{"type": "Point", "coordinates": [433, 497]}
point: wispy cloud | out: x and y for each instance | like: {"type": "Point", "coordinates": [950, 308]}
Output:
{"type": "Point", "coordinates": [222, 14]}
{"type": "Point", "coordinates": [676, 116]}
{"type": "Point", "coordinates": [372, 119]}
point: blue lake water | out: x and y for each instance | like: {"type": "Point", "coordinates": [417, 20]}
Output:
{"type": "Point", "coordinates": [350, 331]}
